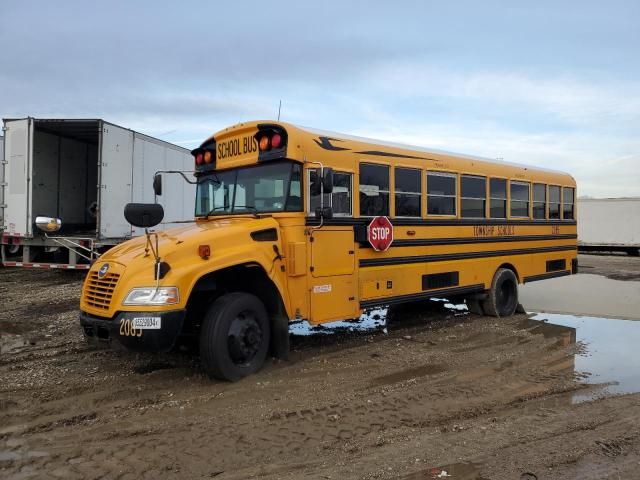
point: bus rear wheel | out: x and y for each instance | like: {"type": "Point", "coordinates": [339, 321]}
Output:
{"type": "Point", "coordinates": [502, 298]}
{"type": "Point", "coordinates": [234, 339]}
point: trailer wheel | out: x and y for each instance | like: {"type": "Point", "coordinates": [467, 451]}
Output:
{"type": "Point", "coordinates": [234, 340]}
{"type": "Point", "coordinates": [502, 298]}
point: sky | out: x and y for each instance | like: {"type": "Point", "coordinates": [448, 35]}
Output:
{"type": "Point", "coordinates": [550, 84]}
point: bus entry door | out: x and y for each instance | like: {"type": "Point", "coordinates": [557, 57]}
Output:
{"type": "Point", "coordinates": [332, 282]}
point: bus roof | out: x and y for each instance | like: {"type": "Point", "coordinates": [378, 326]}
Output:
{"type": "Point", "coordinates": [436, 151]}
{"type": "Point", "coordinates": [371, 141]}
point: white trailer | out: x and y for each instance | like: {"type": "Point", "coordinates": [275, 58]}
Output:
{"type": "Point", "coordinates": [83, 172]}
{"type": "Point", "coordinates": [609, 224]}
{"type": "Point", "coordinates": [2, 205]}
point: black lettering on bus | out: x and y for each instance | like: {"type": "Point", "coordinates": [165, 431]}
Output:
{"type": "Point", "coordinates": [506, 230]}
{"type": "Point", "coordinates": [483, 230]}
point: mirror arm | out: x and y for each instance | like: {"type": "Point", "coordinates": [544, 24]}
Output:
{"type": "Point", "coordinates": [179, 172]}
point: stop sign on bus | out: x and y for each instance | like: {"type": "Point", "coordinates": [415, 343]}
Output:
{"type": "Point", "coordinates": [380, 233]}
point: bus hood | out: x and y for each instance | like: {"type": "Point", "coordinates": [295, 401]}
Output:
{"type": "Point", "coordinates": [181, 244]}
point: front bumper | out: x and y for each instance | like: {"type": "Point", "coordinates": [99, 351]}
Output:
{"type": "Point", "coordinates": [105, 330]}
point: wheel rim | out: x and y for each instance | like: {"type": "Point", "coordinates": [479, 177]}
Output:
{"type": "Point", "coordinates": [244, 338]}
{"type": "Point", "coordinates": [506, 295]}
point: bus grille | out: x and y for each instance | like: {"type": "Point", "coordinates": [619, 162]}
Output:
{"type": "Point", "coordinates": [98, 291]}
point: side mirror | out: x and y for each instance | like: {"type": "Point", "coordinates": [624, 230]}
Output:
{"type": "Point", "coordinates": [143, 215]}
{"type": "Point", "coordinates": [48, 224]}
{"type": "Point", "coordinates": [324, 212]}
{"type": "Point", "coordinates": [157, 184]}
{"type": "Point", "coordinates": [327, 180]}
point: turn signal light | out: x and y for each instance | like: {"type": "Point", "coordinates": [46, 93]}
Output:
{"type": "Point", "coordinates": [208, 156]}
{"type": "Point", "coordinates": [204, 251]}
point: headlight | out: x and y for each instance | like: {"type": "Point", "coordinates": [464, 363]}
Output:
{"type": "Point", "coordinates": [152, 296]}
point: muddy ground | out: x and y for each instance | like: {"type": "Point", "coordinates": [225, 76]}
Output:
{"type": "Point", "coordinates": [439, 391]}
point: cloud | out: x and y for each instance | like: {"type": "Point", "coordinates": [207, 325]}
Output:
{"type": "Point", "coordinates": [599, 169]}
{"type": "Point", "coordinates": [564, 96]}
{"type": "Point", "coordinates": [547, 84]}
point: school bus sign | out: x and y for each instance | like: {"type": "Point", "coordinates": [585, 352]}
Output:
{"type": "Point", "coordinates": [380, 233]}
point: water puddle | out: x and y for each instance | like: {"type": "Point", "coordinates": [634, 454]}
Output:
{"type": "Point", "coordinates": [8, 456]}
{"type": "Point", "coordinates": [454, 471]}
{"type": "Point", "coordinates": [372, 320]}
{"type": "Point", "coordinates": [583, 294]}
{"type": "Point", "coordinates": [10, 342]}
{"type": "Point", "coordinates": [607, 349]}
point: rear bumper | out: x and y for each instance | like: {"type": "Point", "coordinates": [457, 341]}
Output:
{"type": "Point", "coordinates": [119, 329]}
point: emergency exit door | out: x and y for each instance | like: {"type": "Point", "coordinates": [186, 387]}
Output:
{"type": "Point", "coordinates": [332, 286]}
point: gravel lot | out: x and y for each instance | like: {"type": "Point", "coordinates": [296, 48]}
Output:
{"type": "Point", "coordinates": [440, 390]}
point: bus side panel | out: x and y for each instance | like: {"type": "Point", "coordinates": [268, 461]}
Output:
{"type": "Point", "coordinates": [333, 281]}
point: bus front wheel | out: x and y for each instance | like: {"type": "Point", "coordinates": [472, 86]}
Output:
{"type": "Point", "coordinates": [234, 340]}
{"type": "Point", "coordinates": [502, 298]}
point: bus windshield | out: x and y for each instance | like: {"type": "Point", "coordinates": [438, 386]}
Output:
{"type": "Point", "coordinates": [269, 188]}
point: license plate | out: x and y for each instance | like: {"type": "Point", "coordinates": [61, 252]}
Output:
{"type": "Point", "coordinates": [147, 323]}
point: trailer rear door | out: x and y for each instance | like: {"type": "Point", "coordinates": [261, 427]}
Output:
{"type": "Point", "coordinates": [2, 184]}
{"type": "Point", "coordinates": [17, 195]}
{"type": "Point", "coordinates": [116, 170]}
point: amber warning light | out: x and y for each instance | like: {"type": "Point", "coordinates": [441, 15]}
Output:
{"type": "Point", "coordinates": [204, 251]}
{"type": "Point", "coordinates": [270, 138]}
{"type": "Point", "coordinates": [204, 157]}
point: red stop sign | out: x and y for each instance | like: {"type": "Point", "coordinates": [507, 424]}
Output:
{"type": "Point", "coordinates": [380, 233]}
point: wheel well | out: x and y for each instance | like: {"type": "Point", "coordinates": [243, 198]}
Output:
{"type": "Point", "coordinates": [512, 268]}
{"type": "Point", "coordinates": [249, 278]}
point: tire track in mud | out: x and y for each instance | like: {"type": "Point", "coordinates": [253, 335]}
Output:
{"type": "Point", "coordinates": [119, 416]}
{"type": "Point", "coordinates": [416, 402]}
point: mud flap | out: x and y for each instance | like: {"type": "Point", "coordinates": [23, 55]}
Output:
{"type": "Point", "coordinates": [280, 337]}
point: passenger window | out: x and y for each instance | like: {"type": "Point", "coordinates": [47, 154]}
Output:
{"type": "Point", "coordinates": [554, 202]}
{"type": "Point", "coordinates": [539, 200]}
{"type": "Point", "coordinates": [408, 192]}
{"type": "Point", "coordinates": [339, 200]}
{"type": "Point", "coordinates": [441, 193]}
{"type": "Point", "coordinates": [341, 196]}
{"type": "Point", "coordinates": [567, 203]}
{"type": "Point", "coordinates": [473, 196]}
{"type": "Point", "coordinates": [498, 198]}
{"type": "Point", "coordinates": [374, 190]}
{"type": "Point", "coordinates": [519, 199]}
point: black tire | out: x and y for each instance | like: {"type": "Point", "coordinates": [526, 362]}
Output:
{"type": "Point", "coordinates": [235, 335]}
{"type": "Point", "coordinates": [502, 298]}
{"type": "Point", "coordinates": [474, 306]}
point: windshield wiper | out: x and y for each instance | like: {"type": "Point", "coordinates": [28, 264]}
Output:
{"type": "Point", "coordinates": [253, 209]}
{"type": "Point", "coordinates": [210, 212]}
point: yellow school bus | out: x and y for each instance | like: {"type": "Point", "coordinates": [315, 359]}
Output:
{"type": "Point", "coordinates": [293, 223]}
